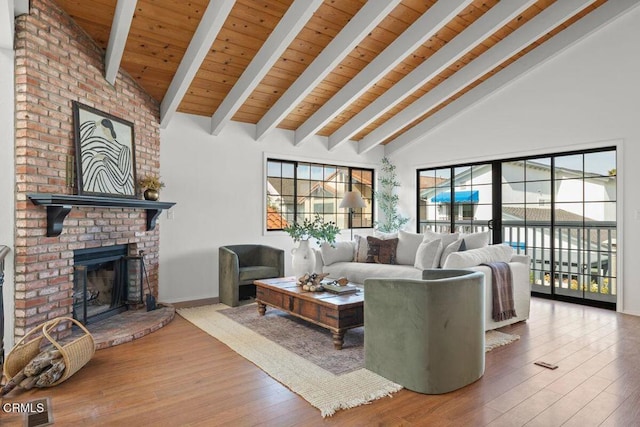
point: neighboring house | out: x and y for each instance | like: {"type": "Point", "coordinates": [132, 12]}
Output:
{"type": "Point", "coordinates": [473, 196]}
{"type": "Point", "coordinates": [319, 196]}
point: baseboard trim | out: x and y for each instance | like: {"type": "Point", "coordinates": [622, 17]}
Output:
{"type": "Point", "coordinates": [196, 303]}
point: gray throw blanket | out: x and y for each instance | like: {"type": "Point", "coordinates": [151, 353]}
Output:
{"type": "Point", "coordinates": [502, 290]}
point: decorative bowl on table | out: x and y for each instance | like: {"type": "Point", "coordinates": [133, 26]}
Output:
{"type": "Point", "coordinates": [312, 282]}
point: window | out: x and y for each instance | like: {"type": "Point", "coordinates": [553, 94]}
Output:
{"type": "Point", "coordinates": [461, 204]}
{"type": "Point", "coordinates": [299, 190]}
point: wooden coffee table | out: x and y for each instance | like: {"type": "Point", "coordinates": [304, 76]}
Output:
{"type": "Point", "coordinates": [338, 313]}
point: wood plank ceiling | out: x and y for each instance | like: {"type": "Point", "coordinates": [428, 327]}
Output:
{"type": "Point", "coordinates": [376, 72]}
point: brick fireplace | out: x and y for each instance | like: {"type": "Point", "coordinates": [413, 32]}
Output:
{"type": "Point", "coordinates": [57, 63]}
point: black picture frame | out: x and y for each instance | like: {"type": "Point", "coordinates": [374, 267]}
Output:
{"type": "Point", "coordinates": [105, 153]}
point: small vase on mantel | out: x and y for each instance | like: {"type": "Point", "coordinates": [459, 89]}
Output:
{"type": "Point", "coordinates": [152, 185]}
{"type": "Point", "coordinates": [151, 194]}
{"type": "Point", "coordinates": [303, 259]}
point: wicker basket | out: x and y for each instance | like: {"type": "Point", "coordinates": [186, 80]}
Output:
{"type": "Point", "coordinates": [75, 353]}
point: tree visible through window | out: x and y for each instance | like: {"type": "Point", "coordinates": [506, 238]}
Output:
{"type": "Point", "coordinates": [299, 190]}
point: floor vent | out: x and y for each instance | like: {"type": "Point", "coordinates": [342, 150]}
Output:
{"type": "Point", "coordinates": [40, 414]}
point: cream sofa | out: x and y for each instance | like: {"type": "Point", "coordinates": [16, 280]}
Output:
{"type": "Point", "coordinates": [338, 261]}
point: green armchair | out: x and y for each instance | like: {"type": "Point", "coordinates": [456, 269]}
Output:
{"type": "Point", "coordinates": [426, 335]}
{"type": "Point", "coordinates": [240, 265]}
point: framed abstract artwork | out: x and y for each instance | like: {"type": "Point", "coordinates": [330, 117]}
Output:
{"type": "Point", "coordinates": [105, 153]}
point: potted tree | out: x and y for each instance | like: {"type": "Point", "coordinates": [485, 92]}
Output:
{"type": "Point", "coordinates": [388, 199]}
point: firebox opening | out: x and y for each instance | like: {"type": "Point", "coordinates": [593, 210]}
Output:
{"type": "Point", "coordinates": [100, 284]}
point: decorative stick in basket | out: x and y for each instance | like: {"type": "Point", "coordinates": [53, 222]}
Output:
{"type": "Point", "coordinates": [27, 366]}
{"type": "Point", "coordinates": [39, 372]}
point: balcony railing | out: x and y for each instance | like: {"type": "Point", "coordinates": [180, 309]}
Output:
{"type": "Point", "coordinates": [578, 258]}
{"type": "Point", "coordinates": [582, 262]}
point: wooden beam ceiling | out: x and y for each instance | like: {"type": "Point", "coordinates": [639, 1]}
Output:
{"type": "Point", "coordinates": [368, 72]}
{"type": "Point", "coordinates": [528, 33]}
{"type": "Point", "coordinates": [483, 27]}
{"type": "Point", "coordinates": [423, 28]}
{"type": "Point", "coordinates": [574, 30]}
{"type": "Point", "coordinates": [291, 23]}
{"type": "Point", "coordinates": [212, 21]}
{"type": "Point", "coordinates": [344, 42]}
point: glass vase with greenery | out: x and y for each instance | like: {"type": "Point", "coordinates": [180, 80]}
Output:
{"type": "Point", "coordinates": [315, 228]}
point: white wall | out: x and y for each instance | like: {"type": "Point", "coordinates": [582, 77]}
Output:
{"type": "Point", "coordinates": [219, 185]}
{"type": "Point", "coordinates": [7, 184]}
{"type": "Point", "coordinates": [588, 96]}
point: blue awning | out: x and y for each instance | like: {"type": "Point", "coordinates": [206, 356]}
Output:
{"type": "Point", "coordinates": [460, 197]}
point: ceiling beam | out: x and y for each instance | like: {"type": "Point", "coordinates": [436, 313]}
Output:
{"type": "Point", "coordinates": [285, 32]}
{"type": "Point", "coordinates": [586, 26]}
{"type": "Point", "coordinates": [537, 27]}
{"type": "Point", "coordinates": [473, 35]}
{"type": "Point", "coordinates": [347, 39]}
{"type": "Point", "coordinates": [436, 17]}
{"type": "Point", "coordinates": [118, 37]}
{"type": "Point", "coordinates": [212, 21]}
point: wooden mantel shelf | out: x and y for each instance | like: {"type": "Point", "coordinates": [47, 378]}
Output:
{"type": "Point", "coordinates": [59, 205]}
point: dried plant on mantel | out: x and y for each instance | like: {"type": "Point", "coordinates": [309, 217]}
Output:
{"type": "Point", "coordinates": [151, 182]}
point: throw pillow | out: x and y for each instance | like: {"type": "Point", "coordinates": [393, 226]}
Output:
{"type": "Point", "coordinates": [339, 252]}
{"type": "Point", "coordinates": [381, 251]}
{"type": "Point", "coordinates": [449, 249]}
{"type": "Point", "coordinates": [407, 247]}
{"type": "Point", "coordinates": [447, 238]}
{"type": "Point", "coordinates": [474, 257]}
{"type": "Point", "coordinates": [362, 248]}
{"type": "Point", "coordinates": [476, 240]}
{"type": "Point", "coordinates": [384, 236]}
{"type": "Point", "coordinates": [428, 255]}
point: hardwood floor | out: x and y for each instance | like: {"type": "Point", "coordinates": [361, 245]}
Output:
{"type": "Point", "coordinates": [180, 376]}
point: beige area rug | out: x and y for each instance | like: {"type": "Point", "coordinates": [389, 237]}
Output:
{"type": "Point", "coordinates": [301, 355]}
{"type": "Point", "coordinates": [494, 339]}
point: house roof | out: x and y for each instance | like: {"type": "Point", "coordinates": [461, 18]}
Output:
{"type": "Point", "coordinates": [376, 72]}
{"type": "Point", "coordinates": [275, 221]}
{"type": "Point", "coordinates": [327, 185]}
{"type": "Point", "coordinates": [542, 214]}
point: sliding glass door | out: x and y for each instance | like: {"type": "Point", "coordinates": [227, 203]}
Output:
{"type": "Point", "coordinates": [559, 209]}
{"type": "Point", "coordinates": [585, 225]}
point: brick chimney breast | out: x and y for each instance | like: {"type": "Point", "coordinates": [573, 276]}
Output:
{"type": "Point", "coordinates": [57, 63]}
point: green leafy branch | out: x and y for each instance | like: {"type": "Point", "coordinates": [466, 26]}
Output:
{"type": "Point", "coordinates": [313, 229]}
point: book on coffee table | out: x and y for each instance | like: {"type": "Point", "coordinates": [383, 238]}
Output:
{"type": "Point", "coordinates": [340, 290]}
